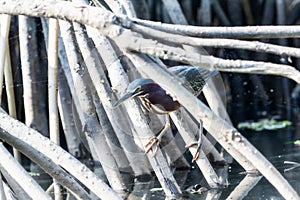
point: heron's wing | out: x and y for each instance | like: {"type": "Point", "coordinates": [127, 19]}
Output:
{"type": "Point", "coordinates": [194, 77]}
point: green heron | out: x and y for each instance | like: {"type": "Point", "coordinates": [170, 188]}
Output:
{"type": "Point", "coordinates": [155, 99]}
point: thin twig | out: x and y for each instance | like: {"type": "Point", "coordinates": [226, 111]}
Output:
{"type": "Point", "coordinates": [52, 92]}
{"type": "Point", "coordinates": [237, 32]}
{"type": "Point", "coordinates": [8, 76]}
{"type": "Point", "coordinates": [5, 24]}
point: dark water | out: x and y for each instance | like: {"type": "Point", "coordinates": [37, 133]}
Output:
{"type": "Point", "coordinates": [274, 145]}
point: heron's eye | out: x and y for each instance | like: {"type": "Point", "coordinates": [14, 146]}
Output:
{"type": "Point", "coordinates": [138, 88]}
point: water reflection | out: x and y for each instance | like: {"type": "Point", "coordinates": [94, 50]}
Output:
{"type": "Point", "coordinates": [275, 145]}
{"type": "Point", "coordinates": [245, 186]}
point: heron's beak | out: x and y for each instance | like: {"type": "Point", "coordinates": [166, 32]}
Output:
{"type": "Point", "coordinates": [125, 97]}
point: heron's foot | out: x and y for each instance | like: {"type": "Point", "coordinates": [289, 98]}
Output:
{"type": "Point", "coordinates": [154, 140]}
{"type": "Point", "coordinates": [198, 148]}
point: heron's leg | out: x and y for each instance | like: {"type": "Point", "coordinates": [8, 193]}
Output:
{"type": "Point", "coordinates": [156, 139]}
{"type": "Point", "coordinates": [198, 143]}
